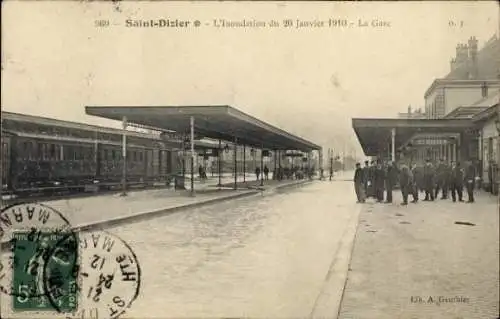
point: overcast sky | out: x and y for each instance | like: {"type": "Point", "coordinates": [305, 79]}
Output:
{"type": "Point", "coordinates": [310, 81]}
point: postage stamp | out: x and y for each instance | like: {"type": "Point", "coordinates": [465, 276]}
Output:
{"type": "Point", "coordinates": [29, 234]}
{"type": "Point", "coordinates": [36, 255]}
{"type": "Point", "coordinates": [109, 276]}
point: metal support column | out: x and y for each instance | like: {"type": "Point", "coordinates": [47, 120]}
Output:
{"type": "Point", "coordinates": [219, 171]}
{"type": "Point", "coordinates": [275, 176]}
{"type": "Point", "coordinates": [393, 145]}
{"type": "Point", "coordinates": [192, 154]}
{"type": "Point", "coordinates": [124, 157]}
{"type": "Point", "coordinates": [244, 166]}
{"type": "Point", "coordinates": [321, 171]}
{"type": "Point", "coordinates": [279, 165]}
{"type": "Point", "coordinates": [235, 163]}
{"type": "Point", "coordinates": [262, 166]}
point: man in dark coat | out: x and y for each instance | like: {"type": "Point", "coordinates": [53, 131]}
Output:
{"type": "Point", "coordinates": [390, 180]}
{"type": "Point", "coordinates": [429, 178]}
{"type": "Point", "coordinates": [359, 181]}
{"type": "Point", "coordinates": [457, 182]}
{"type": "Point", "coordinates": [366, 176]}
{"type": "Point", "coordinates": [405, 182]}
{"type": "Point", "coordinates": [378, 182]}
{"type": "Point", "coordinates": [414, 186]}
{"type": "Point", "coordinates": [371, 180]}
{"type": "Point", "coordinates": [266, 172]}
{"type": "Point", "coordinates": [257, 172]}
{"type": "Point", "coordinates": [470, 176]}
{"type": "Point", "coordinates": [442, 180]}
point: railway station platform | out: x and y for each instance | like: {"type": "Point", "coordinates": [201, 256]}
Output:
{"type": "Point", "coordinates": [109, 210]}
{"type": "Point", "coordinates": [426, 260]}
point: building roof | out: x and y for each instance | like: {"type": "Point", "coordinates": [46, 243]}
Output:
{"type": "Point", "coordinates": [464, 112]}
{"type": "Point", "coordinates": [488, 63]}
{"type": "Point", "coordinates": [487, 114]}
{"type": "Point", "coordinates": [215, 121]}
{"type": "Point", "coordinates": [459, 83]}
{"type": "Point", "coordinates": [488, 101]}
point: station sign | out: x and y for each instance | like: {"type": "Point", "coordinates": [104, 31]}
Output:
{"type": "Point", "coordinates": [179, 136]}
{"type": "Point", "coordinates": [293, 154]}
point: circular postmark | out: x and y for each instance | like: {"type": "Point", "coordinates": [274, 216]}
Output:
{"type": "Point", "coordinates": [108, 275]}
{"type": "Point", "coordinates": [28, 232]}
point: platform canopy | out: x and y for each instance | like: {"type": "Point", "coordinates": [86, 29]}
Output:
{"type": "Point", "coordinates": [214, 122]}
{"type": "Point", "coordinates": [375, 135]}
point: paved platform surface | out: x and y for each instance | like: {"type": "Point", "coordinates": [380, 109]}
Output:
{"type": "Point", "coordinates": [406, 258]}
{"type": "Point", "coordinates": [83, 212]}
{"type": "Point", "coordinates": [279, 256]}
{"type": "Point", "coordinates": [347, 175]}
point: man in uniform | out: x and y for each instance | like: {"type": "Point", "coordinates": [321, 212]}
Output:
{"type": "Point", "coordinates": [457, 182]}
{"type": "Point", "coordinates": [371, 180]}
{"type": "Point", "coordinates": [378, 182]}
{"type": "Point", "coordinates": [442, 177]}
{"type": "Point", "coordinates": [405, 182]}
{"type": "Point", "coordinates": [366, 176]}
{"type": "Point", "coordinates": [470, 176]}
{"type": "Point", "coordinates": [359, 181]}
{"type": "Point", "coordinates": [390, 181]}
{"type": "Point", "coordinates": [429, 177]}
{"type": "Point", "coordinates": [414, 186]}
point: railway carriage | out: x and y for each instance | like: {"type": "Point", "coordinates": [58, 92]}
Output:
{"type": "Point", "coordinates": [46, 154]}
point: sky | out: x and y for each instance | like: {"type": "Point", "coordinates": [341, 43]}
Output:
{"type": "Point", "coordinates": [309, 81]}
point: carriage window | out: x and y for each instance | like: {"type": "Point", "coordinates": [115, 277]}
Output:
{"type": "Point", "coordinates": [26, 150]}
{"type": "Point", "coordinates": [140, 156]}
{"type": "Point", "coordinates": [52, 151]}
{"type": "Point", "coordinates": [113, 154]}
{"type": "Point", "coordinates": [57, 152]}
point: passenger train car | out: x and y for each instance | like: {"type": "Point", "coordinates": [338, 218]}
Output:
{"type": "Point", "coordinates": [40, 154]}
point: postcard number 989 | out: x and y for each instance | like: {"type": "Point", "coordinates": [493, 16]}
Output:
{"type": "Point", "coordinates": [101, 23]}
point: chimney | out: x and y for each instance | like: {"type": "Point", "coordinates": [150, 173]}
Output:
{"type": "Point", "coordinates": [472, 54]}
{"type": "Point", "coordinates": [409, 109]}
{"type": "Point", "coordinates": [461, 54]}
{"type": "Point", "coordinates": [453, 64]}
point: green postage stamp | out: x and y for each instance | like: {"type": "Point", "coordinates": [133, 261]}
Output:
{"type": "Point", "coordinates": [45, 268]}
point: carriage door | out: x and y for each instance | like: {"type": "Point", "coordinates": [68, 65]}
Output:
{"type": "Point", "coordinates": [5, 164]}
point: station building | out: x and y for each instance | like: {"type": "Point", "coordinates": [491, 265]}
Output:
{"type": "Point", "coordinates": [461, 120]}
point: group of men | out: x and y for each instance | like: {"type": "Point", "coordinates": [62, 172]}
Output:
{"type": "Point", "coordinates": [372, 180]}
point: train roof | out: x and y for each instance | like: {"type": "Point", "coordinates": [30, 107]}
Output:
{"type": "Point", "coordinates": [87, 129]}
{"type": "Point", "coordinates": [45, 121]}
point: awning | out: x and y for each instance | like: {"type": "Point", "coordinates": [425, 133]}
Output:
{"type": "Point", "coordinates": [214, 122]}
{"type": "Point", "coordinates": [375, 135]}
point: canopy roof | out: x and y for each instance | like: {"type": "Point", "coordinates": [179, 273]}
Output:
{"type": "Point", "coordinates": [215, 122]}
{"type": "Point", "coordinates": [375, 135]}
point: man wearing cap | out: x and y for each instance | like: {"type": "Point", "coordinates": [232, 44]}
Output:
{"type": "Point", "coordinates": [470, 177]}
{"type": "Point", "coordinates": [359, 183]}
{"type": "Point", "coordinates": [366, 176]}
{"type": "Point", "coordinates": [390, 181]}
{"type": "Point", "coordinates": [378, 182]}
{"type": "Point", "coordinates": [415, 183]}
{"type": "Point", "coordinates": [429, 179]}
{"type": "Point", "coordinates": [442, 180]}
{"type": "Point", "coordinates": [457, 182]}
{"type": "Point", "coordinates": [405, 182]}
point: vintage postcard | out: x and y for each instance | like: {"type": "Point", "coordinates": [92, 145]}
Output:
{"type": "Point", "coordinates": [200, 159]}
